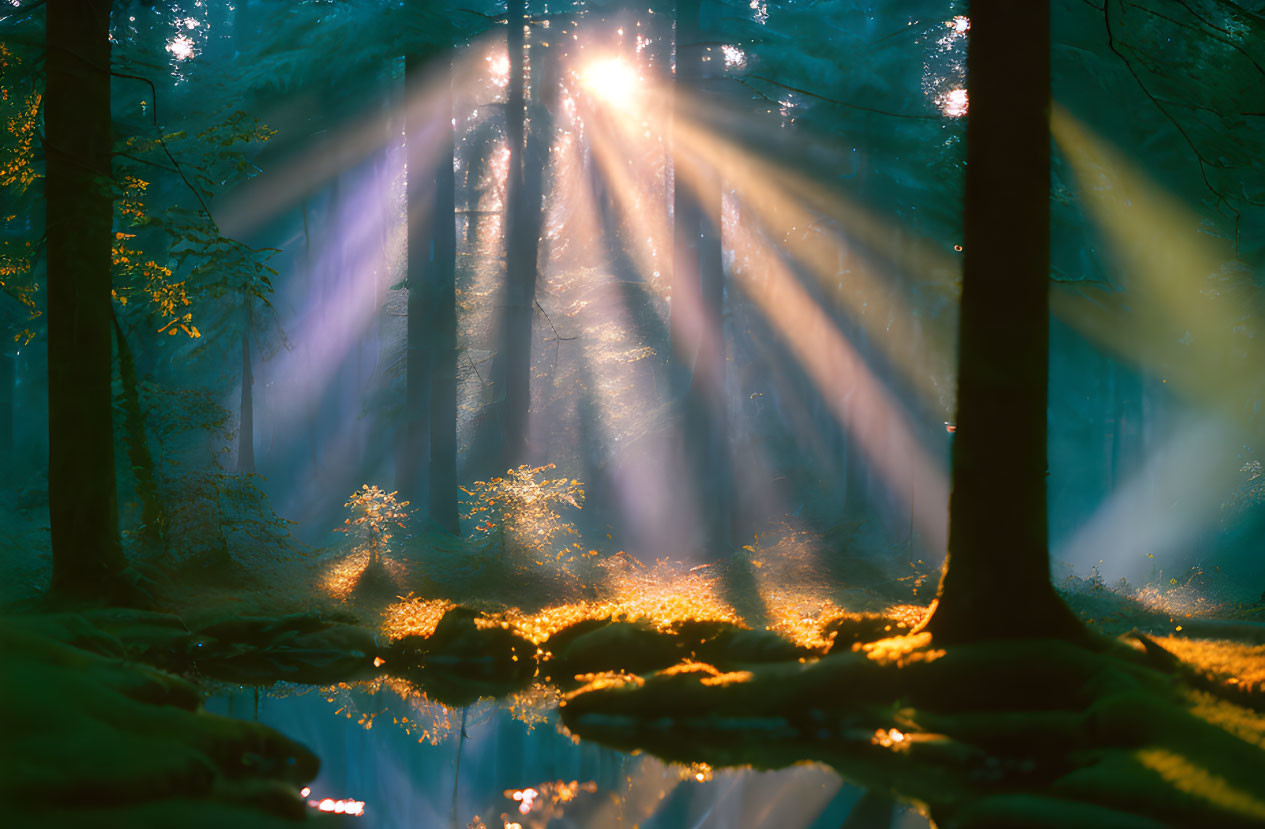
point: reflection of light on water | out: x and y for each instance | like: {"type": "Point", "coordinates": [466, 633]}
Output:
{"type": "Point", "coordinates": [546, 800]}
{"type": "Point", "coordinates": [734, 56]}
{"type": "Point", "coordinates": [180, 47]}
{"type": "Point", "coordinates": [355, 808]}
{"type": "Point", "coordinates": [525, 798]}
{"type": "Point", "coordinates": [955, 103]}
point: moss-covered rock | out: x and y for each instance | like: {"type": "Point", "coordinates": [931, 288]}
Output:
{"type": "Point", "coordinates": [96, 740]}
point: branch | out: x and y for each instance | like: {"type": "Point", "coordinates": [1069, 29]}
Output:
{"type": "Point", "coordinates": [153, 91]}
{"type": "Point", "coordinates": [551, 325]}
{"type": "Point", "coordinates": [1203, 163]}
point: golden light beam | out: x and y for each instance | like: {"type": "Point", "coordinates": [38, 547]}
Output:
{"type": "Point", "coordinates": [1183, 313]}
{"type": "Point", "coordinates": [921, 347]}
{"type": "Point", "coordinates": [873, 418]}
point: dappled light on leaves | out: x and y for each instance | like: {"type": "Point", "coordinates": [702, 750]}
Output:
{"type": "Point", "coordinates": [899, 651]}
{"type": "Point", "coordinates": [413, 616]}
{"type": "Point", "coordinates": [409, 708]}
{"type": "Point", "coordinates": [519, 513]}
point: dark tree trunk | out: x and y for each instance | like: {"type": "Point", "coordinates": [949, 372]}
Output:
{"type": "Point", "coordinates": [153, 515]}
{"type": "Point", "coordinates": [246, 429]}
{"type": "Point", "coordinates": [443, 331]}
{"type": "Point", "coordinates": [698, 296]}
{"type": "Point", "coordinates": [511, 370]}
{"type": "Point", "coordinates": [83, 509]}
{"type": "Point", "coordinates": [996, 581]}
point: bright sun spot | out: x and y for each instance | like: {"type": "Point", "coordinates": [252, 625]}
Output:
{"type": "Point", "coordinates": [611, 79]}
{"type": "Point", "coordinates": [499, 69]}
{"type": "Point", "coordinates": [955, 103]}
{"type": "Point", "coordinates": [180, 47]}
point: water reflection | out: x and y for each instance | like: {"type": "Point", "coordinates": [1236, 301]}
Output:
{"type": "Point", "coordinates": [493, 770]}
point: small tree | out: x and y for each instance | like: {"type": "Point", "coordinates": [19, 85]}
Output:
{"type": "Point", "coordinates": [519, 512]}
{"type": "Point", "coordinates": [373, 513]}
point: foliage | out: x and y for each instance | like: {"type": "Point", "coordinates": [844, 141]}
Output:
{"type": "Point", "coordinates": [374, 512]}
{"type": "Point", "coordinates": [520, 513]}
{"type": "Point", "coordinates": [215, 515]}
{"type": "Point", "coordinates": [20, 116]}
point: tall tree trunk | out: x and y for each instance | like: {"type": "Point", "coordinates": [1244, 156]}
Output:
{"type": "Point", "coordinates": [83, 507]}
{"type": "Point", "coordinates": [511, 369]}
{"type": "Point", "coordinates": [246, 428]}
{"type": "Point", "coordinates": [443, 330]}
{"type": "Point", "coordinates": [153, 515]}
{"type": "Point", "coordinates": [996, 581]}
{"type": "Point", "coordinates": [420, 189]}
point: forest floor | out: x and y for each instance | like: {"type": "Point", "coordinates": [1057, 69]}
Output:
{"type": "Point", "coordinates": [1163, 724]}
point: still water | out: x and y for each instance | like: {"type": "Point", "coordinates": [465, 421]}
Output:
{"type": "Point", "coordinates": [412, 767]}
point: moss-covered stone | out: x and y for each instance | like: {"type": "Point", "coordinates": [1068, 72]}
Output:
{"type": "Point", "coordinates": [96, 740]}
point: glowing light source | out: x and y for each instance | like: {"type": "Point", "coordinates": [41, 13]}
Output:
{"type": "Point", "coordinates": [499, 68]}
{"type": "Point", "coordinates": [955, 103]}
{"type": "Point", "coordinates": [180, 47]}
{"type": "Point", "coordinates": [611, 79]}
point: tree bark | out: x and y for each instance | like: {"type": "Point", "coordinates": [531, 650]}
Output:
{"type": "Point", "coordinates": [996, 581]}
{"type": "Point", "coordinates": [83, 508]}
{"type": "Point", "coordinates": [511, 370]}
{"type": "Point", "coordinates": [422, 195]}
{"type": "Point", "coordinates": [153, 516]}
{"type": "Point", "coordinates": [443, 330]}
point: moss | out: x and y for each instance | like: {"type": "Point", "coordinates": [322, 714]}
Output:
{"type": "Point", "coordinates": [94, 740]}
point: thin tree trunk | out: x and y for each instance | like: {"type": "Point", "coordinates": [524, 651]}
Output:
{"type": "Point", "coordinates": [153, 515]}
{"type": "Point", "coordinates": [511, 370]}
{"type": "Point", "coordinates": [443, 332]}
{"type": "Point", "coordinates": [420, 189]}
{"type": "Point", "coordinates": [996, 581]}
{"type": "Point", "coordinates": [83, 506]}
{"type": "Point", "coordinates": [246, 429]}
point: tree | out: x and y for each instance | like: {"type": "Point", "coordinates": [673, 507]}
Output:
{"type": "Point", "coordinates": [430, 397]}
{"type": "Point", "coordinates": [996, 580]}
{"type": "Point", "coordinates": [83, 515]}
{"type": "Point", "coordinates": [511, 370]}
{"type": "Point", "coordinates": [442, 285]}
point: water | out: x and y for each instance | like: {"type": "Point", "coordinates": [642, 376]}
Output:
{"type": "Point", "coordinates": [405, 771]}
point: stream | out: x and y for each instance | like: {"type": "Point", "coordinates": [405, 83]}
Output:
{"type": "Point", "coordinates": [403, 763]}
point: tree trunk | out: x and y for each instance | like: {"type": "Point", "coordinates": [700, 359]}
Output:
{"type": "Point", "coordinates": [511, 370]}
{"type": "Point", "coordinates": [153, 516]}
{"type": "Point", "coordinates": [420, 189]}
{"type": "Point", "coordinates": [996, 581]}
{"type": "Point", "coordinates": [83, 508]}
{"type": "Point", "coordinates": [246, 428]}
{"type": "Point", "coordinates": [443, 330]}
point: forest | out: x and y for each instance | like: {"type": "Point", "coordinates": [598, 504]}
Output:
{"type": "Point", "coordinates": [531, 414]}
